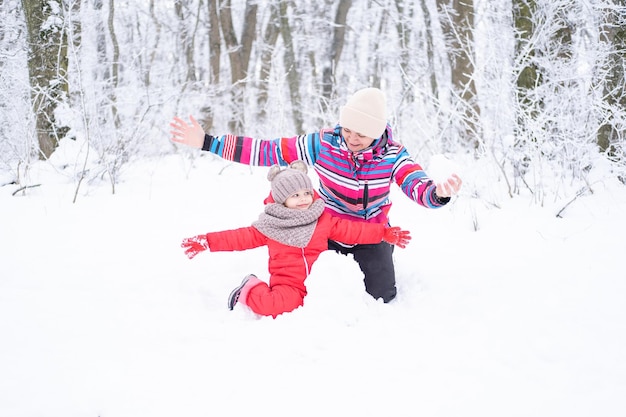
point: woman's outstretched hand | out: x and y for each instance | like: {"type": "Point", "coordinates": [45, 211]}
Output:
{"type": "Point", "coordinates": [450, 187]}
{"type": "Point", "coordinates": [190, 135]}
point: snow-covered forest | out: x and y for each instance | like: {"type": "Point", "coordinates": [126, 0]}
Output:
{"type": "Point", "coordinates": [510, 298]}
{"type": "Point", "coordinates": [529, 86]}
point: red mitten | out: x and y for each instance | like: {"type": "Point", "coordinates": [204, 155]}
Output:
{"type": "Point", "coordinates": [195, 245]}
{"type": "Point", "coordinates": [397, 236]}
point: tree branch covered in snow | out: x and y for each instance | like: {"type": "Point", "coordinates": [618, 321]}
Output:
{"type": "Point", "coordinates": [532, 86]}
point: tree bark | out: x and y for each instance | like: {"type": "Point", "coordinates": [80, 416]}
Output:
{"type": "Point", "coordinates": [376, 68]}
{"type": "Point", "coordinates": [47, 70]}
{"type": "Point", "coordinates": [215, 53]}
{"type": "Point", "coordinates": [458, 25]}
{"type": "Point", "coordinates": [239, 55]}
{"type": "Point", "coordinates": [115, 64]}
{"type": "Point", "coordinates": [609, 133]}
{"type": "Point", "coordinates": [215, 42]}
{"type": "Point", "coordinates": [153, 48]}
{"type": "Point", "coordinates": [523, 11]}
{"type": "Point", "coordinates": [270, 37]}
{"type": "Point", "coordinates": [335, 49]}
{"type": "Point", "coordinates": [430, 49]}
{"type": "Point", "coordinates": [291, 66]}
{"type": "Point", "coordinates": [186, 39]}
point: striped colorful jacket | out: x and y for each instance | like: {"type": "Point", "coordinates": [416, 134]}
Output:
{"type": "Point", "coordinates": [353, 185]}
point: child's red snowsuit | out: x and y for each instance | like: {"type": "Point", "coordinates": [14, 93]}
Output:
{"type": "Point", "coordinates": [289, 266]}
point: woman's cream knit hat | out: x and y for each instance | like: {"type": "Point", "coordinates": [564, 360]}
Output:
{"type": "Point", "coordinates": [365, 113]}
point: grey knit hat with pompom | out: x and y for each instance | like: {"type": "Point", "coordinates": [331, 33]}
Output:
{"type": "Point", "coordinates": [288, 181]}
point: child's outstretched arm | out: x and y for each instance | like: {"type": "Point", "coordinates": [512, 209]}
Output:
{"type": "Point", "coordinates": [240, 239]}
{"type": "Point", "coordinates": [350, 232]}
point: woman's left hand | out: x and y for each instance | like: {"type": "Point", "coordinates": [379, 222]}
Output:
{"type": "Point", "coordinates": [450, 187]}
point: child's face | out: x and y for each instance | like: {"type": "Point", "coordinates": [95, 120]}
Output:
{"type": "Point", "coordinates": [300, 200]}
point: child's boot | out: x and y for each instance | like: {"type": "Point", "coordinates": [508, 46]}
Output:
{"type": "Point", "coordinates": [241, 292]}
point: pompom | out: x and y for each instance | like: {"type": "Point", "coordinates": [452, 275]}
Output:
{"type": "Point", "coordinates": [299, 165]}
{"type": "Point", "coordinates": [274, 170]}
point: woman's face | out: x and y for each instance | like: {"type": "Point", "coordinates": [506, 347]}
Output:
{"type": "Point", "coordinates": [355, 141]}
{"type": "Point", "coordinates": [300, 200]}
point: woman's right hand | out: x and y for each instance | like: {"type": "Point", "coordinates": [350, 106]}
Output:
{"type": "Point", "coordinates": [190, 135]}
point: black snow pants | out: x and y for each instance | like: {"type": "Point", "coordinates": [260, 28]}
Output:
{"type": "Point", "coordinates": [376, 262]}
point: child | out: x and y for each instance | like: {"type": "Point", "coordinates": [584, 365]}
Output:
{"type": "Point", "coordinates": [296, 229]}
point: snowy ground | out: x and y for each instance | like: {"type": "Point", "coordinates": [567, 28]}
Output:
{"type": "Point", "coordinates": [102, 315]}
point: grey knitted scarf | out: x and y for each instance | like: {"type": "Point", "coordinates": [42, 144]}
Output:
{"type": "Point", "coordinates": [291, 227]}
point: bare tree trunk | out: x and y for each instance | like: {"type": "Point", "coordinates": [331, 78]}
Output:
{"type": "Point", "coordinates": [47, 70]}
{"type": "Point", "coordinates": [376, 70]}
{"type": "Point", "coordinates": [523, 11]}
{"type": "Point", "coordinates": [458, 25]}
{"type": "Point", "coordinates": [215, 52]}
{"type": "Point", "coordinates": [405, 25]}
{"type": "Point", "coordinates": [215, 42]}
{"type": "Point", "coordinates": [249, 32]}
{"type": "Point", "coordinates": [463, 48]}
{"type": "Point", "coordinates": [157, 25]}
{"type": "Point", "coordinates": [404, 28]}
{"type": "Point", "coordinates": [104, 71]}
{"type": "Point", "coordinates": [76, 29]}
{"type": "Point", "coordinates": [270, 37]}
{"type": "Point", "coordinates": [114, 64]}
{"type": "Point", "coordinates": [291, 66]}
{"type": "Point", "coordinates": [430, 50]}
{"type": "Point", "coordinates": [186, 39]}
{"type": "Point", "coordinates": [528, 78]}
{"type": "Point", "coordinates": [239, 55]}
{"type": "Point", "coordinates": [101, 43]}
{"type": "Point", "coordinates": [335, 49]}
{"type": "Point", "coordinates": [610, 137]}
